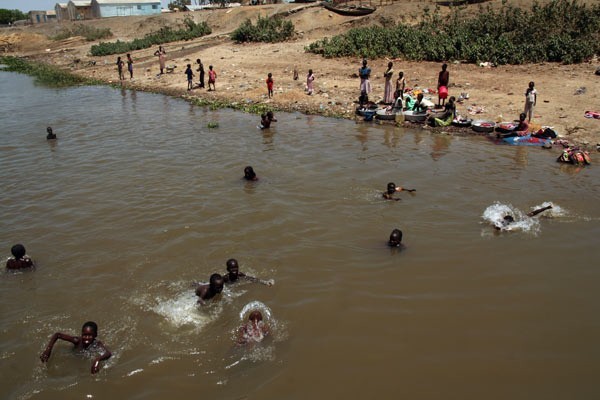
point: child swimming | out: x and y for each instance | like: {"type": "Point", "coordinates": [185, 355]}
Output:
{"type": "Point", "coordinates": [87, 341]}
{"type": "Point", "coordinates": [255, 330]}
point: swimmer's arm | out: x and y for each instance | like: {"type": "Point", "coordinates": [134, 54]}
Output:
{"type": "Point", "coordinates": [106, 354]}
{"type": "Point", "coordinates": [257, 280]}
{"type": "Point", "coordinates": [400, 189]}
{"type": "Point", "coordinates": [536, 212]}
{"type": "Point", "coordinates": [240, 335]}
{"type": "Point", "coordinates": [46, 353]}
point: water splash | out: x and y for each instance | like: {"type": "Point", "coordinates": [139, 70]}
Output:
{"type": "Point", "coordinates": [495, 214]}
{"type": "Point", "coordinates": [183, 310]}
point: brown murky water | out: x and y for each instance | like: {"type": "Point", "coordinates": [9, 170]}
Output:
{"type": "Point", "coordinates": [138, 199]}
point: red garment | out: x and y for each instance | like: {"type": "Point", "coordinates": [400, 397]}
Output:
{"type": "Point", "coordinates": [270, 83]}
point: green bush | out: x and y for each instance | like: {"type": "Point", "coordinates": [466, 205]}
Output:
{"type": "Point", "coordinates": [190, 31]}
{"type": "Point", "coordinates": [88, 32]}
{"type": "Point", "coordinates": [266, 30]}
{"type": "Point", "coordinates": [562, 30]}
{"type": "Point", "coordinates": [45, 74]}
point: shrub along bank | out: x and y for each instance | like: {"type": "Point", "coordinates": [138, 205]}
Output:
{"type": "Point", "coordinates": [562, 30]}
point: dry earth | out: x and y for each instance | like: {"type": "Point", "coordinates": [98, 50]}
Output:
{"type": "Point", "coordinates": [242, 68]}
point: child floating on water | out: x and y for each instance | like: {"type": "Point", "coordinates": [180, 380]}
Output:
{"type": "Point", "coordinates": [234, 275]}
{"type": "Point", "coordinates": [249, 174]}
{"type": "Point", "coordinates": [20, 259]}
{"type": "Point", "coordinates": [255, 330]}
{"type": "Point", "coordinates": [86, 342]}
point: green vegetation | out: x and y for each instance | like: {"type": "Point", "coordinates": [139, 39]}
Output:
{"type": "Point", "coordinates": [190, 31]}
{"type": "Point", "coordinates": [213, 125]}
{"type": "Point", "coordinates": [88, 32]}
{"type": "Point", "coordinates": [266, 30]}
{"type": "Point", "coordinates": [562, 30]}
{"type": "Point", "coordinates": [45, 74]}
{"type": "Point", "coordinates": [10, 16]}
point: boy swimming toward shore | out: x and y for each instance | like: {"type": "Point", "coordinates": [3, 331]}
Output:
{"type": "Point", "coordinates": [396, 239]}
{"type": "Point", "coordinates": [234, 275]}
{"type": "Point", "coordinates": [392, 188]}
{"type": "Point", "coordinates": [86, 342]}
{"type": "Point", "coordinates": [255, 330]}
{"type": "Point", "coordinates": [19, 260]}
{"type": "Point", "coordinates": [207, 292]}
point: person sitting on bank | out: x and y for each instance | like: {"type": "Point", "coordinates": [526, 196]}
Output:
{"type": "Point", "coordinates": [395, 238]}
{"type": "Point", "coordinates": [521, 129]}
{"type": "Point", "coordinates": [418, 106]}
{"type": "Point", "coordinates": [509, 219]}
{"type": "Point", "coordinates": [19, 260]}
{"type": "Point", "coordinates": [207, 292]}
{"type": "Point", "coordinates": [50, 135]}
{"type": "Point", "coordinates": [446, 118]}
{"type": "Point", "coordinates": [234, 275]}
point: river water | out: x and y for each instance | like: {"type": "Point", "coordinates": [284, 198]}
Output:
{"type": "Point", "coordinates": [138, 199]}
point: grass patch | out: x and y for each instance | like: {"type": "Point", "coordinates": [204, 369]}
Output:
{"type": "Point", "coordinates": [266, 30]}
{"type": "Point", "coordinates": [560, 31]}
{"type": "Point", "coordinates": [213, 125]}
{"type": "Point", "coordinates": [88, 32]}
{"type": "Point", "coordinates": [45, 74]}
{"type": "Point", "coordinates": [191, 30]}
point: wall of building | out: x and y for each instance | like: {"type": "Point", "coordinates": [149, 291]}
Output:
{"type": "Point", "coordinates": [121, 10]}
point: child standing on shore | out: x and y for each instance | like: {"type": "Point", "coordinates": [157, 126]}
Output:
{"type": "Point", "coordinates": [270, 83]}
{"type": "Point", "coordinates": [530, 100]}
{"type": "Point", "coordinates": [130, 66]}
{"type": "Point", "coordinates": [201, 71]}
{"type": "Point", "coordinates": [190, 76]}
{"type": "Point", "coordinates": [212, 78]}
{"type": "Point", "coordinates": [120, 64]}
{"type": "Point", "coordinates": [310, 78]}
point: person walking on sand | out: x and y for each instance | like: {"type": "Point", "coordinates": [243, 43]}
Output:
{"type": "Point", "coordinates": [442, 85]}
{"type": "Point", "coordinates": [310, 78]}
{"type": "Point", "coordinates": [161, 53]}
{"type": "Point", "coordinates": [120, 65]}
{"type": "Point", "coordinates": [388, 93]}
{"type": "Point", "coordinates": [270, 84]}
{"type": "Point", "coordinates": [201, 72]}
{"type": "Point", "coordinates": [212, 78]}
{"type": "Point", "coordinates": [530, 100]}
{"type": "Point", "coordinates": [130, 66]}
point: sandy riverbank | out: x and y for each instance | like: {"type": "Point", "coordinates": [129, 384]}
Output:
{"type": "Point", "coordinates": [242, 68]}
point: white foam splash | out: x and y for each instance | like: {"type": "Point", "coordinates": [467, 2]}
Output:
{"type": "Point", "coordinates": [183, 310]}
{"type": "Point", "coordinates": [495, 213]}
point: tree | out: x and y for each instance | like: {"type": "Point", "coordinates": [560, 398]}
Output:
{"type": "Point", "coordinates": [11, 16]}
{"type": "Point", "coordinates": [179, 4]}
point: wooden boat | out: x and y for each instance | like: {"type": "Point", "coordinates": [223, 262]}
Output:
{"type": "Point", "coordinates": [351, 10]}
{"type": "Point", "coordinates": [483, 126]}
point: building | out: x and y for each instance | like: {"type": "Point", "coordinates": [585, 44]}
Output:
{"type": "Point", "coordinates": [119, 8]}
{"type": "Point", "coordinates": [37, 17]}
{"type": "Point", "coordinates": [62, 13]}
{"type": "Point", "coordinates": [79, 10]}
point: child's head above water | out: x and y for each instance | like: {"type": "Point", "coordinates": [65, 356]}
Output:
{"type": "Point", "coordinates": [18, 251]}
{"type": "Point", "coordinates": [255, 316]}
{"type": "Point", "coordinates": [89, 332]}
{"type": "Point", "coordinates": [395, 238]}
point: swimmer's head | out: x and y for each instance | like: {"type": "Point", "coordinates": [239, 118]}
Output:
{"type": "Point", "coordinates": [216, 283]}
{"type": "Point", "coordinates": [232, 266]}
{"type": "Point", "coordinates": [395, 238]}
{"type": "Point", "coordinates": [508, 219]}
{"type": "Point", "coordinates": [255, 316]}
{"type": "Point", "coordinates": [391, 188]}
{"type": "Point", "coordinates": [89, 331]}
{"type": "Point", "coordinates": [18, 251]}
{"type": "Point", "coordinates": [270, 114]}
{"type": "Point", "coordinates": [249, 173]}
{"type": "Point", "coordinates": [49, 130]}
